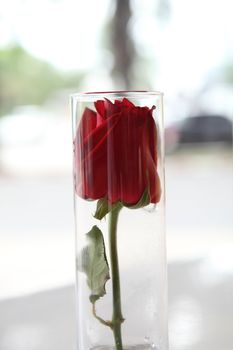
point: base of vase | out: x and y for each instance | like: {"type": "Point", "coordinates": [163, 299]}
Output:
{"type": "Point", "coordinates": [132, 347]}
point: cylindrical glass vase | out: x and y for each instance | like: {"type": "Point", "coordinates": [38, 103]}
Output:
{"type": "Point", "coordinates": [119, 211]}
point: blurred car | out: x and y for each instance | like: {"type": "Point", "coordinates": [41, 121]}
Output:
{"type": "Point", "coordinates": [206, 128]}
{"type": "Point", "coordinates": [199, 129]}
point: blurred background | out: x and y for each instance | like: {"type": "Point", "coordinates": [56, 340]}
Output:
{"type": "Point", "coordinates": [51, 48]}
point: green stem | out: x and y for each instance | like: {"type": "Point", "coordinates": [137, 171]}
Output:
{"type": "Point", "coordinates": [117, 317]}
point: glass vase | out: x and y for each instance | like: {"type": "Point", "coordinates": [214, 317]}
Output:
{"type": "Point", "coordinates": [119, 218]}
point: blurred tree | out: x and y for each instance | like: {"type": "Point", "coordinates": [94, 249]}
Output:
{"type": "Point", "coordinates": [122, 44]}
{"type": "Point", "coordinates": [25, 79]}
{"type": "Point", "coordinates": [129, 65]}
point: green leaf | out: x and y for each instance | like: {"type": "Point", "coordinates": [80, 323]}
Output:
{"type": "Point", "coordinates": [103, 208]}
{"type": "Point", "coordinates": [144, 200]}
{"type": "Point", "coordinates": [93, 263]}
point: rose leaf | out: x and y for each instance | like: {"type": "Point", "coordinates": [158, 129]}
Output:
{"type": "Point", "coordinates": [93, 262]}
{"type": "Point", "coordinates": [103, 208]}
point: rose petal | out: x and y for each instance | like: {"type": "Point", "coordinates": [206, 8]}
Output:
{"type": "Point", "coordinates": [127, 103]}
{"type": "Point", "coordinates": [100, 108]}
{"type": "Point", "coordinates": [126, 178]}
{"type": "Point", "coordinates": [124, 103]}
{"type": "Point", "coordinates": [152, 137]}
{"type": "Point", "coordinates": [110, 108]}
{"type": "Point", "coordinates": [92, 179]}
{"type": "Point", "coordinates": [87, 122]}
{"type": "Point", "coordinates": [153, 180]}
{"type": "Point", "coordinates": [117, 159]}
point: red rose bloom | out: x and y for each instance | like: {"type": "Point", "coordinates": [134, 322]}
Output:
{"type": "Point", "coordinates": [115, 153]}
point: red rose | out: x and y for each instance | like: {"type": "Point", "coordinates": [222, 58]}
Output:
{"type": "Point", "coordinates": [116, 153]}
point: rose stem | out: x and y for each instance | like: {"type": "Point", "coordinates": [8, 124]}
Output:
{"type": "Point", "coordinates": [117, 318]}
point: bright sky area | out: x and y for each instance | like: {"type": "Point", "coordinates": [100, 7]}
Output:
{"type": "Point", "coordinates": [67, 33]}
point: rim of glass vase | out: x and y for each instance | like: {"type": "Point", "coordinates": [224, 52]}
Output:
{"type": "Point", "coordinates": [114, 94]}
